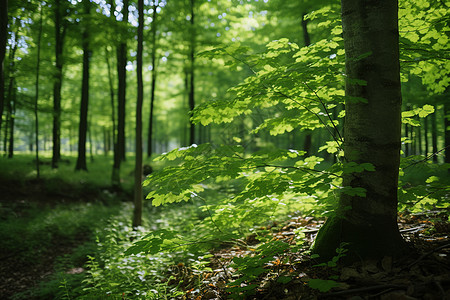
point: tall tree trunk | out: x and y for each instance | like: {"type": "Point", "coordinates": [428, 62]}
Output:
{"type": "Point", "coordinates": [83, 126]}
{"type": "Point", "coordinates": [307, 41]}
{"type": "Point", "coordinates": [153, 86]}
{"type": "Point", "coordinates": [419, 137]}
{"type": "Point", "coordinates": [137, 213]}
{"type": "Point", "coordinates": [434, 135]}
{"type": "Point", "coordinates": [372, 135]}
{"type": "Point", "coordinates": [36, 100]}
{"type": "Point", "coordinates": [122, 76]}
{"type": "Point", "coordinates": [12, 95]}
{"type": "Point", "coordinates": [3, 38]}
{"type": "Point", "coordinates": [121, 71]}
{"type": "Point", "coordinates": [426, 135]}
{"type": "Point", "coordinates": [12, 117]}
{"type": "Point", "coordinates": [192, 137]}
{"type": "Point", "coordinates": [60, 30]}
{"type": "Point", "coordinates": [447, 133]}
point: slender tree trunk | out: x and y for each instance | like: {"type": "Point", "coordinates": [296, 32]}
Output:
{"type": "Point", "coordinates": [372, 135]}
{"type": "Point", "coordinates": [426, 135]}
{"type": "Point", "coordinates": [153, 86]}
{"type": "Point", "coordinates": [121, 72]}
{"type": "Point", "coordinates": [36, 100]}
{"type": "Point", "coordinates": [192, 137]}
{"type": "Point", "coordinates": [3, 38]}
{"type": "Point", "coordinates": [91, 142]}
{"type": "Point", "coordinates": [12, 95]}
{"type": "Point", "coordinates": [307, 41]}
{"type": "Point", "coordinates": [12, 118]}
{"type": "Point", "coordinates": [447, 133]}
{"type": "Point", "coordinates": [112, 98]}
{"type": "Point", "coordinates": [406, 134]}
{"type": "Point", "coordinates": [122, 76]}
{"type": "Point", "coordinates": [137, 214]}
{"type": "Point", "coordinates": [434, 135]}
{"type": "Point", "coordinates": [59, 44]}
{"type": "Point", "coordinates": [186, 129]}
{"type": "Point", "coordinates": [419, 137]}
{"type": "Point", "coordinates": [83, 126]}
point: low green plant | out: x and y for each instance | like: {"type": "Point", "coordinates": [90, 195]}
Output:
{"type": "Point", "coordinates": [324, 285]}
{"type": "Point", "coordinates": [253, 266]}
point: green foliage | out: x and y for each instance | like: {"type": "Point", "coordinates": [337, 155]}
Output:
{"type": "Point", "coordinates": [34, 232]}
{"type": "Point", "coordinates": [322, 284]}
{"type": "Point", "coordinates": [252, 266]}
{"type": "Point", "coordinates": [112, 274]}
{"type": "Point", "coordinates": [423, 185]}
{"type": "Point", "coordinates": [424, 42]}
{"type": "Point", "coordinates": [421, 112]}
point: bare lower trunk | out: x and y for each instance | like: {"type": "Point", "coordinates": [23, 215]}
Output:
{"type": "Point", "coordinates": [372, 134]}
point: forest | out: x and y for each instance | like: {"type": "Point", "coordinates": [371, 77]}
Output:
{"type": "Point", "coordinates": [224, 149]}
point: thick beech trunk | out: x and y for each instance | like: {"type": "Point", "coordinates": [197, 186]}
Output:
{"type": "Point", "coordinates": [372, 134]}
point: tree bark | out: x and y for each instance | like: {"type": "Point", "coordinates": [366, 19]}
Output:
{"type": "Point", "coordinates": [447, 133]}
{"type": "Point", "coordinates": [372, 134]}
{"type": "Point", "coordinates": [122, 77]}
{"type": "Point", "coordinates": [192, 137]}
{"type": "Point", "coordinates": [119, 144]}
{"type": "Point", "coordinates": [83, 125]}
{"type": "Point", "coordinates": [434, 135]}
{"type": "Point", "coordinates": [60, 30]}
{"type": "Point", "coordinates": [12, 95]}
{"type": "Point", "coordinates": [426, 131]}
{"type": "Point", "coordinates": [36, 100]}
{"type": "Point", "coordinates": [3, 38]}
{"type": "Point", "coordinates": [137, 213]}
{"type": "Point", "coordinates": [153, 85]}
{"type": "Point", "coordinates": [307, 41]}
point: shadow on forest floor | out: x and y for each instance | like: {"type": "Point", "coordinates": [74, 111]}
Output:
{"type": "Point", "coordinates": [422, 275]}
{"type": "Point", "coordinates": [43, 221]}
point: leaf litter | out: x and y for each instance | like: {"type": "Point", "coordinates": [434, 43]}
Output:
{"type": "Point", "coordinates": [294, 274]}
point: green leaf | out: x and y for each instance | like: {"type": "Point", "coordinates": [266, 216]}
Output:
{"type": "Point", "coordinates": [322, 285]}
{"type": "Point", "coordinates": [284, 279]}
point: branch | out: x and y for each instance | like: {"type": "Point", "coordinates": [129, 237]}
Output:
{"type": "Point", "coordinates": [426, 158]}
{"type": "Point", "coordinates": [426, 254]}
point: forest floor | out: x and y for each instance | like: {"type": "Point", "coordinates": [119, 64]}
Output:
{"type": "Point", "coordinates": [28, 263]}
{"type": "Point", "coordinates": [425, 274]}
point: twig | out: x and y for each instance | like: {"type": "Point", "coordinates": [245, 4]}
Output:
{"type": "Point", "coordinates": [426, 254]}
{"type": "Point", "coordinates": [209, 212]}
{"type": "Point", "coordinates": [363, 289]}
{"type": "Point", "coordinates": [412, 229]}
{"type": "Point", "coordinates": [426, 158]}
